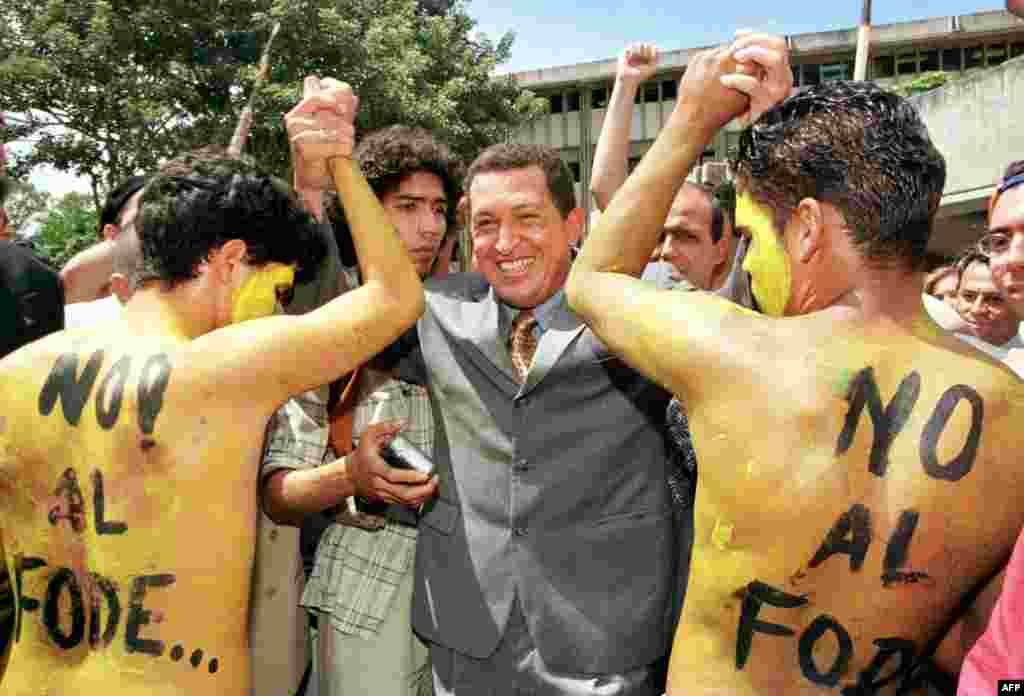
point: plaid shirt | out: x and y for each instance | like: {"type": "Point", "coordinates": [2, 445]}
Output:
{"type": "Point", "coordinates": [357, 571]}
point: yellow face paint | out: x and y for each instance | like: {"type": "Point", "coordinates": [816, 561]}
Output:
{"type": "Point", "coordinates": [766, 259]}
{"type": "Point", "coordinates": [257, 296]}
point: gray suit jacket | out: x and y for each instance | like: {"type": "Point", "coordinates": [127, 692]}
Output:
{"type": "Point", "coordinates": [553, 491]}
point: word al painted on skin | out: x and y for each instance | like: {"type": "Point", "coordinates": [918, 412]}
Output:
{"type": "Point", "coordinates": [68, 488]}
{"type": "Point", "coordinates": [852, 535]}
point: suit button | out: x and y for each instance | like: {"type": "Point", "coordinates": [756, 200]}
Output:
{"type": "Point", "coordinates": [519, 531]}
{"type": "Point", "coordinates": [521, 466]}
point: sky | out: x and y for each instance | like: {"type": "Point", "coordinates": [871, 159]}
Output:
{"type": "Point", "coordinates": [550, 32]}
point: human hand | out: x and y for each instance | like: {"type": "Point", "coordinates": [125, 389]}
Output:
{"type": "Point", "coordinates": [707, 103]}
{"type": "Point", "coordinates": [374, 479]}
{"type": "Point", "coordinates": [762, 72]}
{"type": "Point", "coordinates": [320, 128]}
{"type": "Point", "coordinates": [637, 64]}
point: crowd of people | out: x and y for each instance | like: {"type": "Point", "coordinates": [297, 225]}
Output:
{"type": "Point", "coordinates": [735, 441]}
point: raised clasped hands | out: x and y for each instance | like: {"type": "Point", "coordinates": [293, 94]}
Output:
{"type": "Point", "coordinates": [320, 128]}
{"type": "Point", "coordinates": [741, 80]}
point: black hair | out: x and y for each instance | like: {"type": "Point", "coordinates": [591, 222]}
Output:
{"type": "Point", "coordinates": [506, 156]}
{"type": "Point", "coordinates": [855, 146]}
{"type": "Point", "coordinates": [117, 199]}
{"type": "Point", "coordinates": [200, 201]}
{"type": "Point", "coordinates": [385, 158]}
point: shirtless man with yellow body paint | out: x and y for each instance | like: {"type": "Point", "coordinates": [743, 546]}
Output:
{"type": "Point", "coordinates": [859, 473]}
{"type": "Point", "coordinates": [129, 452]}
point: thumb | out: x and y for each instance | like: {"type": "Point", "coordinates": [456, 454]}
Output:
{"type": "Point", "coordinates": [382, 432]}
{"type": "Point", "coordinates": [310, 86]}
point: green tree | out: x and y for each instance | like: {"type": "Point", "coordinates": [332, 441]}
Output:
{"type": "Point", "coordinates": [68, 228]}
{"type": "Point", "coordinates": [107, 88]}
{"type": "Point", "coordinates": [23, 202]}
{"type": "Point", "coordinates": [925, 82]}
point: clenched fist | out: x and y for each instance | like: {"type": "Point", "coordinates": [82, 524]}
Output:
{"type": "Point", "coordinates": [637, 64]}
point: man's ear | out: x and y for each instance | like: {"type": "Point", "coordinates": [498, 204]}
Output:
{"type": "Point", "coordinates": [224, 261]}
{"type": "Point", "coordinates": [809, 219]}
{"type": "Point", "coordinates": [110, 232]}
{"type": "Point", "coordinates": [575, 220]}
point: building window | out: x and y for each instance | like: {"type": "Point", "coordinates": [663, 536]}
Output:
{"type": "Point", "coordinates": [974, 57]}
{"type": "Point", "coordinates": [572, 101]}
{"type": "Point", "coordinates": [574, 167]}
{"type": "Point", "coordinates": [669, 89]}
{"type": "Point", "coordinates": [599, 98]}
{"type": "Point", "coordinates": [651, 93]}
{"type": "Point", "coordinates": [557, 104]}
{"type": "Point", "coordinates": [929, 60]}
{"type": "Point", "coordinates": [906, 63]}
{"type": "Point", "coordinates": [836, 71]}
{"type": "Point", "coordinates": [883, 66]}
{"type": "Point", "coordinates": [952, 58]}
{"type": "Point", "coordinates": [995, 54]}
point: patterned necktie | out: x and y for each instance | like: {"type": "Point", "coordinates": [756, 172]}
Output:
{"type": "Point", "coordinates": [523, 343]}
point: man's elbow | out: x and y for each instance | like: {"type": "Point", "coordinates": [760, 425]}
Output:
{"type": "Point", "coordinates": [272, 500]}
{"type": "Point", "coordinates": [409, 305]}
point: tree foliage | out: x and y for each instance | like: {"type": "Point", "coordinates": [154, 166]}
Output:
{"type": "Point", "coordinates": [24, 202]}
{"type": "Point", "coordinates": [107, 88]}
{"type": "Point", "coordinates": [925, 82]}
{"type": "Point", "coordinates": [68, 228]}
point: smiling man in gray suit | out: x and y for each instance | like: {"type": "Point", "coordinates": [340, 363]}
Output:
{"type": "Point", "coordinates": [546, 564]}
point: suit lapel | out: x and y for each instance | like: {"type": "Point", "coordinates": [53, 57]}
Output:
{"type": "Point", "coordinates": [475, 326]}
{"type": "Point", "coordinates": [564, 327]}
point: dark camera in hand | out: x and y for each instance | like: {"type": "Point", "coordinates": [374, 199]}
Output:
{"type": "Point", "coordinates": [402, 454]}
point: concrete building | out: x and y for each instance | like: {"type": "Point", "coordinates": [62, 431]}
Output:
{"type": "Point", "coordinates": [968, 111]}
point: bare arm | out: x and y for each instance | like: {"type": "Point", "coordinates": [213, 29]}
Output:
{"type": "Point", "coordinates": [271, 359]}
{"type": "Point", "coordinates": [1016, 7]}
{"type": "Point", "coordinates": [6, 611]}
{"type": "Point", "coordinates": [289, 495]}
{"type": "Point", "coordinates": [611, 159]}
{"type": "Point", "coordinates": [88, 272]}
{"type": "Point", "coordinates": [670, 337]}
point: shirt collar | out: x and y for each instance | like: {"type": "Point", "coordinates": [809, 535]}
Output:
{"type": "Point", "coordinates": [543, 312]}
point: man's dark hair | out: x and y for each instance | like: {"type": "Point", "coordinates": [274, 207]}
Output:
{"type": "Point", "coordinates": [970, 257]}
{"type": "Point", "coordinates": [200, 201]}
{"type": "Point", "coordinates": [385, 158]}
{"type": "Point", "coordinates": [861, 149]}
{"type": "Point", "coordinates": [717, 214]}
{"type": "Point", "coordinates": [117, 199]}
{"type": "Point", "coordinates": [506, 156]}
{"type": "Point", "coordinates": [725, 199]}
